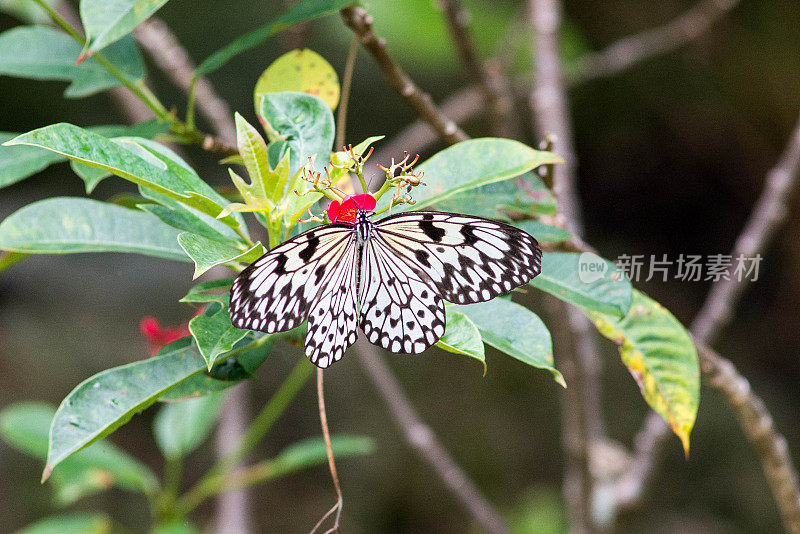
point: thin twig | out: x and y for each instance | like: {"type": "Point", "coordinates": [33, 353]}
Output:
{"type": "Point", "coordinates": [582, 419]}
{"type": "Point", "coordinates": [358, 20]}
{"type": "Point", "coordinates": [490, 80]}
{"type": "Point", "coordinates": [162, 45]}
{"type": "Point", "coordinates": [347, 82]}
{"type": "Point", "coordinates": [323, 419]}
{"type": "Point", "coordinates": [758, 426]}
{"type": "Point", "coordinates": [769, 213]}
{"type": "Point", "coordinates": [626, 52]}
{"type": "Point", "coordinates": [422, 439]}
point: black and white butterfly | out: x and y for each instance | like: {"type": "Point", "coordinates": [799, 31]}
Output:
{"type": "Point", "coordinates": [389, 277]}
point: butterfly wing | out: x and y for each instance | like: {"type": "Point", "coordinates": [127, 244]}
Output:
{"type": "Point", "coordinates": [277, 292]}
{"type": "Point", "coordinates": [332, 322]}
{"type": "Point", "coordinates": [468, 259]}
{"type": "Point", "coordinates": [400, 309]}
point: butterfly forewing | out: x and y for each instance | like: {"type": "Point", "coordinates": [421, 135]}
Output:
{"type": "Point", "coordinates": [400, 309]}
{"type": "Point", "coordinates": [277, 292]}
{"type": "Point", "coordinates": [468, 259]}
{"type": "Point", "coordinates": [391, 278]}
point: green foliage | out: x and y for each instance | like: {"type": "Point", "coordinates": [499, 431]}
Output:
{"type": "Point", "coordinates": [26, 10]}
{"type": "Point", "coordinates": [526, 195]}
{"type": "Point", "coordinates": [461, 336]}
{"type": "Point", "coordinates": [25, 426]}
{"type": "Point", "coordinates": [301, 11]}
{"type": "Point", "coordinates": [311, 452]}
{"type": "Point", "coordinates": [605, 291]}
{"type": "Point", "coordinates": [515, 330]}
{"type": "Point", "coordinates": [77, 523]}
{"type": "Point", "coordinates": [206, 253]}
{"type": "Point", "coordinates": [661, 357]}
{"type": "Point", "coordinates": [65, 225]}
{"type": "Point", "coordinates": [543, 232]}
{"type": "Point", "coordinates": [106, 22]}
{"type": "Point", "coordinates": [42, 53]}
{"type": "Point", "coordinates": [304, 71]}
{"type": "Point", "coordinates": [104, 402]}
{"type": "Point", "coordinates": [180, 427]}
{"type": "Point", "coordinates": [470, 164]}
{"type": "Point", "coordinates": [304, 121]}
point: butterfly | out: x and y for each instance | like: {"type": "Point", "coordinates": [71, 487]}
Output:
{"type": "Point", "coordinates": [389, 277]}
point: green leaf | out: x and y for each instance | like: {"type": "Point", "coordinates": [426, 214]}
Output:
{"type": "Point", "coordinates": [212, 329]}
{"type": "Point", "coordinates": [527, 195]}
{"type": "Point", "coordinates": [25, 426]}
{"type": "Point", "coordinates": [304, 121]}
{"type": "Point", "coordinates": [586, 280]}
{"type": "Point", "coordinates": [214, 333]}
{"type": "Point", "coordinates": [226, 373]}
{"type": "Point", "coordinates": [178, 526]}
{"type": "Point", "coordinates": [106, 22]}
{"type": "Point", "coordinates": [206, 253]}
{"type": "Point", "coordinates": [253, 150]}
{"type": "Point", "coordinates": [461, 336]}
{"type": "Point", "coordinates": [107, 400]}
{"type": "Point", "coordinates": [7, 259]}
{"type": "Point", "coordinates": [180, 427]}
{"type": "Point", "coordinates": [543, 232]}
{"type": "Point", "coordinates": [64, 225]}
{"type": "Point", "coordinates": [301, 70]}
{"type": "Point", "coordinates": [661, 357]}
{"type": "Point", "coordinates": [75, 523]}
{"type": "Point", "coordinates": [515, 330]}
{"type": "Point", "coordinates": [43, 53]}
{"type": "Point", "coordinates": [20, 162]}
{"type": "Point", "coordinates": [301, 11]}
{"type": "Point", "coordinates": [310, 452]}
{"type": "Point", "coordinates": [27, 11]}
{"type": "Point", "coordinates": [141, 161]}
{"type": "Point", "coordinates": [471, 164]}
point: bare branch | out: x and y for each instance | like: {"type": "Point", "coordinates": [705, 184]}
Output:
{"type": "Point", "coordinates": [769, 213]}
{"type": "Point", "coordinates": [361, 23]}
{"type": "Point", "coordinates": [494, 86]}
{"type": "Point", "coordinates": [631, 50]}
{"type": "Point", "coordinates": [581, 416]}
{"type": "Point", "coordinates": [758, 426]}
{"type": "Point", "coordinates": [168, 54]}
{"type": "Point", "coordinates": [422, 439]}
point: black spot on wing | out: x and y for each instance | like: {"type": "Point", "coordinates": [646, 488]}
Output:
{"type": "Point", "coordinates": [434, 233]}
{"type": "Point", "coordinates": [308, 252]}
{"type": "Point", "coordinates": [469, 235]}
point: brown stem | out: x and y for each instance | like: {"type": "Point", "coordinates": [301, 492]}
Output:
{"type": "Point", "coordinates": [358, 20]}
{"type": "Point", "coordinates": [626, 52]}
{"type": "Point", "coordinates": [493, 85]}
{"type": "Point", "coordinates": [422, 439]}
{"type": "Point", "coordinates": [323, 419]}
{"type": "Point", "coordinates": [582, 418]}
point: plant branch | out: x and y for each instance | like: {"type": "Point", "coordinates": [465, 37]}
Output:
{"type": "Point", "coordinates": [162, 45]}
{"type": "Point", "coordinates": [769, 213]}
{"type": "Point", "coordinates": [347, 82]}
{"type": "Point", "coordinates": [493, 86]}
{"type": "Point", "coordinates": [759, 427]}
{"type": "Point", "coordinates": [358, 20]}
{"type": "Point", "coordinates": [581, 415]}
{"type": "Point", "coordinates": [634, 49]}
{"type": "Point", "coordinates": [323, 419]}
{"type": "Point", "coordinates": [422, 439]}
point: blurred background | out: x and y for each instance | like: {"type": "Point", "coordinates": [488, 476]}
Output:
{"type": "Point", "coordinates": [672, 154]}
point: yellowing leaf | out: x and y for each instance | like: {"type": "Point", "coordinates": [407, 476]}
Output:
{"type": "Point", "coordinates": [662, 358]}
{"type": "Point", "coordinates": [303, 71]}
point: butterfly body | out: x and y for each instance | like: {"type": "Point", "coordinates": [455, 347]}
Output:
{"type": "Point", "coordinates": [389, 277]}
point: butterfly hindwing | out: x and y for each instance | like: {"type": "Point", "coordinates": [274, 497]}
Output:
{"type": "Point", "coordinates": [277, 291]}
{"type": "Point", "coordinates": [400, 308]}
{"type": "Point", "coordinates": [468, 259]}
{"type": "Point", "coordinates": [332, 322]}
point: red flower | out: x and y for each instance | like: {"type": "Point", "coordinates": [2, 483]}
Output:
{"type": "Point", "coordinates": [346, 211]}
{"type": "Point", "coordinates": [157, 336]}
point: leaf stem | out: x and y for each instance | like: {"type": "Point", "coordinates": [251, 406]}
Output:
{"type": "Point", "coordinates": [347, 80]}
